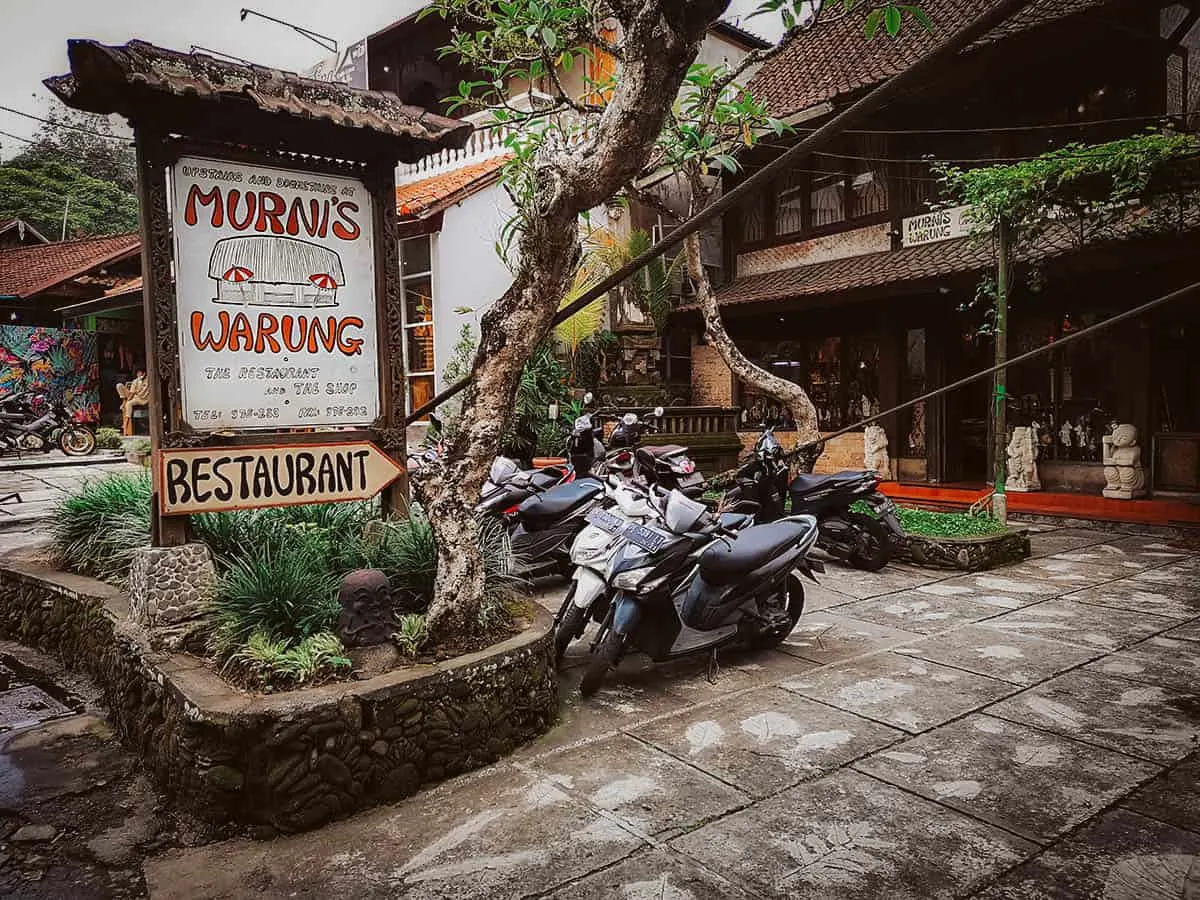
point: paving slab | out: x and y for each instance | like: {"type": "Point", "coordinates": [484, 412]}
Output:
{"type": "Point", "coordinates": [1107, 628]}
{"type": "Point", "coordinates": [1160, 661]}
{"type": "Point", "coordinates": [828, 637]}
{"type": "Point", "coordinates": [736, 670]}
{"type": "Point", "coordinates": [650, 790]}
{"type": "Point", "coordinates": [905, 693]}
{"type": "Point", "coordinates": [1182, 573]}
{"type": "Point", "coordinates": [1047, 543]}
{"type": "Point", "coordinates": [499, 833]}
{"type": "Point", "coordinates": [921, 613]}
{"type": "Point", "coordinates": [1173, 797]}
{"type": "Point", "coordinates": [1143, 721]}
{"type": "Point", "coordinates": [1036, 784]}
{"type": "Point", "coordinates": [852, 837]}
{"type": "Point", "coordinates": [1189, 632]}
{"type": "Point", "coordinates": [1071, 573]}
{"type": "Point", "coordinates": [1120, 856]}
{"type": "Point", "coordinates": [823, 596]}
{"type": "Point", "coordinates": [1002, 587]}
{"type": "Point", "coordinates": [1017, 658]}
{"type": "Point", "coordinates": [766, 741]}
{"type": "Point", "coordinates": [653, 875]}
{"type": "Point", "coordinates": [1176, 601]}
{"type": "Point", "coordinates": [1151, 546]}
{"type": "Point", "coordinates": [861, 585]}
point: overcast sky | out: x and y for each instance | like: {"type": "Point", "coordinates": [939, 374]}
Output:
{"type": "Point", "coordinates": [38, 31]}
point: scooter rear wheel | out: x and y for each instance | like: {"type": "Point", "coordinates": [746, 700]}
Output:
{"type": "Point", "coordinates": [875, 550]}
{"type": "Point", "coordinates": [77, 440]}
{"type": "Point", "coordinates": [607, 655]}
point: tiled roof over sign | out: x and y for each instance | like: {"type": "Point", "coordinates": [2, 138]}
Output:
{"type": "Point", "coordinates": [25, 271]}
{"type": "Point", "coordinates": [835, 59]}
{"type": "Point", "coordinates": [420, 198]}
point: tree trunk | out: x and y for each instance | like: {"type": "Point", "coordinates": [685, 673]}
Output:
{"type": "Point", "coordinates": [660, 40]}
{"type": "Point", "coordinates": [791, 395]}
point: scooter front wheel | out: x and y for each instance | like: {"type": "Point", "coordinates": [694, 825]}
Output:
{"type": "Point", "coordinates": [607, 655]}
{"type": "Point", "coordinates": [570, 626]}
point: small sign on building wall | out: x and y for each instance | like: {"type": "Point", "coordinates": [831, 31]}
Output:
{"type": "Point", "coordinates": [275, 286]}
{"type": "Point", "coordinates": [942, 225]}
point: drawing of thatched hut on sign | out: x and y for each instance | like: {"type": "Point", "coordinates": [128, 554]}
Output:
{"type": "Point", "coordinates": [268, 270]}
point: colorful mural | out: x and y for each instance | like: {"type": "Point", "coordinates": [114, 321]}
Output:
{"type": "Point", "coordinates": [59, 363]}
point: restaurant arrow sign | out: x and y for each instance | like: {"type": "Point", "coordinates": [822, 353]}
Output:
{"type": "Point", "coordinates": [215, 479]}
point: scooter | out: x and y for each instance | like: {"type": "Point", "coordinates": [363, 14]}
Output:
{"type": "Point", "coordinates": [546, 524]}
{"type": "Point", "coordinates": [692, 585]}
{"type": "Point", "coordinates": [34, 424]}
{"type": "Point", "coordinates": [864, 541]}
{"type": "Point", "coordinates": [589, 596]}
{"type": "Point", "coordinates": [508, 485]}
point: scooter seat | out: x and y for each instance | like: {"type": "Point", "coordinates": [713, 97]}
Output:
{"type": "Point", "coordinates": [648, 456]}
{"type": "Point", "coordinates": [541, 510]}
{"type": "Point", "coordinates": [802, 484]}
{"type": "Point", "coordinates": [734, 521]}
{"type": "Point", "coordinates": [726, 563]}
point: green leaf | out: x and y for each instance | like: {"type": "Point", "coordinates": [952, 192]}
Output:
{"type": "Point", "coordinates": [873, 22]}
{"type": "Point", "coordinates": [550, 37]}
{"type": "Point", "coordinates": [727, 162]}
{"type": "Point", "coordinates": [920, 15]}
{"type": "Point", "coordinates": [892, 19]}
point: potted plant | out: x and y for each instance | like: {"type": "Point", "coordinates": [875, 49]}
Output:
{"type": "Point", "coordinates": [138, 452]}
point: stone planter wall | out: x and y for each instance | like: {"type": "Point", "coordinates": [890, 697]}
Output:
{"type": "Point", "coordinates": [285, 762]}
{"type": "Point", "coordinates": [969, 554]}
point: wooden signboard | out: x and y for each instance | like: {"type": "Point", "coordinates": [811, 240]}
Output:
{"type": "Point", "coordinates": [225, 478]}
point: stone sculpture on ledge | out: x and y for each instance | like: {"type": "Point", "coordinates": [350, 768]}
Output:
{"type": "Point", "coordinates": [1022, 462]}
{"type": "Point", "coordinates": [875, 452]}
{"type": "Point", "coordinates": [368, 617]}
{"type": "Point", "coordinates": [1123, 470]}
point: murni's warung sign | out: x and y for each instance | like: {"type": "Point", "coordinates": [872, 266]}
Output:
{"type": "Point", "coordinates": [941, 225]}
{"type": "Point", "coordinates": [275, 288]}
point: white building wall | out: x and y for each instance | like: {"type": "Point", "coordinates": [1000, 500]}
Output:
{"type": "Point", "coordinates": [467, 272]}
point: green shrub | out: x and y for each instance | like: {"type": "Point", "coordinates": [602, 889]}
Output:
{"type": "Point", "coordinates": [266, 662]}
{"type": "Point", "coordinates": [108, 439]}
{"type": "Point", "coordinates": [142, 447]}
{"type": "Point", "coordinates": [411, 633]}
{"type": "Point", "coordinates": [936, 524]}
{"type": "Point", "coordinates": [284, 591]}
{"type": "Point", "coordinates": [98, 529]}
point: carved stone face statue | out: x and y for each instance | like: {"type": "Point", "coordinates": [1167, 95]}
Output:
{"type": "Point", "coordinates": [367, 616]}
{"type": "Point", "coordinates": [1124, 436]}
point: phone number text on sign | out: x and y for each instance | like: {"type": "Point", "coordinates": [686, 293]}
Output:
{"type": "Point", "coordinates": [276, 297]}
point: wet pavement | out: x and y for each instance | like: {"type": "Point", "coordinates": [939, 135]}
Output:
{"type": "Point", "coordinates": [1025, 733]}
{"type": "Point", "coordinates": [31, 487]}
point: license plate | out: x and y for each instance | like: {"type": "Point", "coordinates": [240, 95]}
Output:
{"type": "Point", "coordinates": [883, 505]}
{"type": "Point", "coordinates": [606, 521]}
{"type": "Point", "coordinates": [646, 538]}
{"type": "Point", "coordinates": [691, 480]}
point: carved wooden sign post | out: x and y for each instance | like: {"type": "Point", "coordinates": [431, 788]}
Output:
{"type": "Point", "coordinates": [270, 263]}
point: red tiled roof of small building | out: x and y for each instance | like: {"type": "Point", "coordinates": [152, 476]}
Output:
{"type": "Point", "coordinates": [419, 198]}
{"type": "Point", "coordinates": [26, 271]}
{"type": "Point", "coordinates": [834, 59]}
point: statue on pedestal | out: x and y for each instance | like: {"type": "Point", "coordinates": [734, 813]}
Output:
{"type": "Point", "coordinates": [1022, 461]}
{"type": "Point", "coordinates": [134, 394]}
{"type": "Point", "coordinates": [875, 451]}
{"type": "Point", "coordinates": [368, 616]}
{"type": "Point", "coordinates": [1123, 472]}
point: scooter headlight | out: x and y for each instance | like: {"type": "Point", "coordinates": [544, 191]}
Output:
{"type": "Point", "coordinates": [631, 579]}
{"type": "Point", "coordinates": [588, 556]}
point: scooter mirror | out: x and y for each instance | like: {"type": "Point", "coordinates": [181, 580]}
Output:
{"type": "Point", "coordinates": [658, 412]}
{"type": "Point", "coordinates": [588, 398]}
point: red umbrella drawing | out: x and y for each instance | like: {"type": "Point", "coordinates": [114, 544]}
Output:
{"type": "Point", "coordinates": [238, 274]}
{"type": "Point", "coordinates": [323, 280]}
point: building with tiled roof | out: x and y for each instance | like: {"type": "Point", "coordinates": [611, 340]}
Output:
{"type": "Point", "coordinates": [26, 272]}
{"type": "Point", "coordinates": [19, 233]}
{"type": "Point", "coordinates": [841, 275]}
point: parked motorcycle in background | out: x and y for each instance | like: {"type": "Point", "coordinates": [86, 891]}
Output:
{"type": "Point", "coordinates": [31, 424]}
{"type": "Point", "coordinates": [865, 541]}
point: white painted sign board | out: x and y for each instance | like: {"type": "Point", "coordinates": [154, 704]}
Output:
{"type": "Point", "coordinates": [275, 293]}
{"type": "Point", "coordinates": [943, 225]}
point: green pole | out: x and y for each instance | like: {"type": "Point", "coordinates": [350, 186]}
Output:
{"type": "Point", "coordinates": [999, 418]}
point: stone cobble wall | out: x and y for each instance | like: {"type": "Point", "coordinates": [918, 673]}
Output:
{"type": "Point", "coordinates": [286, 762]}
{"type": "Point", "coordinates": [966, 554]}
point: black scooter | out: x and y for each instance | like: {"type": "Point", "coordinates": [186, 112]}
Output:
{"type": "Point", "coordinates": [692, 585]}
{"type": "Point", "coordinates": [33, 423]}
{"type": "Point", "coordinates": [864, 541]}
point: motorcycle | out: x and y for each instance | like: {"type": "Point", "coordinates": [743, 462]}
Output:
{"type": "Point", "coordinates": [545, 525]}
{"type": "Point", "coordinates": [508, 486]}
{"type": "Point", "coordinates": [32, 424]}
{"type": "Point", "coordinates": [693, 585]}
{"type": "Point", "coordinates": [864, 541]}
{"type": "Point", "coordinates": [588, 597]}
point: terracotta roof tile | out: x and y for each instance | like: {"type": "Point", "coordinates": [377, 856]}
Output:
{"type": "Point", "coordinates": [25, 271]}
{"type": "Point", "coordinates": [835, 59]}
{"type": "Point", "coordinates": [420, 198]}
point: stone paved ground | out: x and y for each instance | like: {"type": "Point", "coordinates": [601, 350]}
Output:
{"type": "Point", "coordinates": [1025, 733]}
{"type": "Point", "coordinates": [22, 521]}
